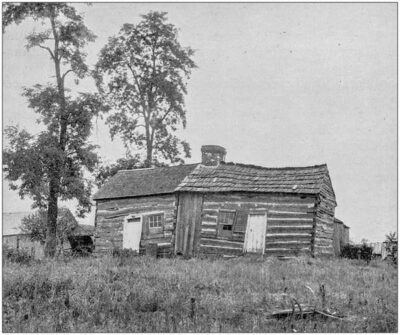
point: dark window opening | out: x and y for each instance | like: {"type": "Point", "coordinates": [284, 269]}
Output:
{"type": "Point", "coordinates": [134, 220]}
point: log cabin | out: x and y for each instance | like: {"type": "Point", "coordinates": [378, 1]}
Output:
{"type": "Point", "coordinates": [216, 208]}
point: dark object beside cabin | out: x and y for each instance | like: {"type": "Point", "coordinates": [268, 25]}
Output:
{"type": "Point", "coordinates": [81, 239]}
{"type": "Point", "coordinates": [357, 252]}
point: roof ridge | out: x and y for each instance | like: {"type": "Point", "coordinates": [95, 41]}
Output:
{"type": "Point", "coordinates": [274, 168]}
{"type": "Point", "coordinates": [157, 167]}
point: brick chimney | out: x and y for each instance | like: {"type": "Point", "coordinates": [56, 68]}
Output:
{"type": "Point", "coordinates": [212, 155]}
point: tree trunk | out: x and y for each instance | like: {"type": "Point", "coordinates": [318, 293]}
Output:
{"type": "Point", "coordinates": [52, 213]}
{"type": "Point", "coordinates": [55, 178]}
{"type": "Point", "coordinates": [149, 156]}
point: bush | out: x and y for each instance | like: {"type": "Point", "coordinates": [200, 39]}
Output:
{"type": "Point", "coordinates": [16, 255]}
{"type": "Point", "coordinates": [357, 252]}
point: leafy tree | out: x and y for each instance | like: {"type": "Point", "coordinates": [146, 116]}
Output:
{"type": "Point", "coordinates": [105, 172]}
{"type": "Point", "coordinates": [51, 164]}
{"type": "Point", "coordinates": [35, 224]}
{"type": "Point", "coordinates": [141, 72]}
{"type": "Point", "coordinates": [391, 246]}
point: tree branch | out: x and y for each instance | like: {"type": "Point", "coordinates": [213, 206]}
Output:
{"type": "Point", "coordinates": [48, 49]}
{"type": "Point", "coordinates": [166, 113]}
{"type": "Point", "coordinates": [65, 74]}
{"type": "Point", "coordinates": [136, 80]}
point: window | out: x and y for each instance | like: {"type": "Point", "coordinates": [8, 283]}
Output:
{"type": "Point", "coordinates": [155, 221]}
{"type": "Point", "coordinates": [225, 223]}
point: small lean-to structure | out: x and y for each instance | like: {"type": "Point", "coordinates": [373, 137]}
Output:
{"type": "Point", "coordinates": [81, 238]}
{"type": "Point", "coordinates": [218, 208]}
{"type": "Point", "coordinates": [340, 236]}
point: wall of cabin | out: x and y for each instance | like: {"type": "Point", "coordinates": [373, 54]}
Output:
{"type": "Point", "coordinates": [111, 213]}
{"type": "Point", "coordinates": [290, 223]}
{"type": "Point", "coordinates": [324, 225]}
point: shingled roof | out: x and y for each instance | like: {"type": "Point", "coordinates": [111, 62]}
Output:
{"type": "Point", "coordinates": [228, 177]}
{"type": "Point", "coordinates": [140, 182]}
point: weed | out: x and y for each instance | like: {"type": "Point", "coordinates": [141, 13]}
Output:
{"type": "Point", "coordinates": [144, 294]}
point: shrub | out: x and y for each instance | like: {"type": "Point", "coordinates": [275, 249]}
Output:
{"type": "Point", "coordinates": [357, 252]}
{"type": "Point", "coordinates": [16, 255]}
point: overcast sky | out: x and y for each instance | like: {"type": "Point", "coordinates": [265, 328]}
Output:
{"type": "Point", "coordinates": [277, 84]}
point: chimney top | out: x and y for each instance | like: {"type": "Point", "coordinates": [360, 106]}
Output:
{"type": "Point", "coordinates": [212, 155]}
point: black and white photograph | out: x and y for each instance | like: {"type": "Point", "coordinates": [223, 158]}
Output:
{"type": "Point", "coordinates": [199, 167]}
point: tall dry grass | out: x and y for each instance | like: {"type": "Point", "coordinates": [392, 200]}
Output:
{"type": "Point", "coordinates": [140, 294]}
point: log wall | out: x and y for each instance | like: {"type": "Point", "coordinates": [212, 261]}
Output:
{"type": "Point", "coordinates": [324, 227]}
{"type": "Point", "coordinates": [110, 216]}
{"type": "Point", "coordinates": [290, 223]}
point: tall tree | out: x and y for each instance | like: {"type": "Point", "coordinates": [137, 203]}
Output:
{"type": "Point", "coordinates": [142, 72]}
{"type": "Point", "coordinates": [51, 165]}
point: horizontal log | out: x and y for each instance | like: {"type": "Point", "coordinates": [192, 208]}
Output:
{"type": "Point", "coordinates": [290, 229]}
{"type": "Point", "coordinates": [288, 237]}
{"type": "Point", "coordinates": [153, 236]}
{"type": "Point", "coordinates": [325, 216]}
{"type": "Point", "coordinates": [109, 234]}
{"type": "Point", "coordinates": [155, 240]}
{"type": "Point", "coordinates": [211, 218]}
{"type": "Point", "coordinates": [324, 230]}
{"type": "Point", "coordinates": [208, 229]}
{"type": "Point", "coordinates": [290, 225]}
{"type": "Point", "coordinates": [326, 235]}
{"type": "Point", "coordinates": [217, 250]}
{"type": "Point", "coordinates": [291, 215]}
{"type": "Point", "coordinates": [287, 234]}
{"type": "Point", "coordinates": [288, 244]}
{"type": "Point", "coordinates": [237, 237]}
{"type": "Point", "coordinates": [221, 243]}
{"type": "Point", "coordinates": [208, 233]}
{"type": "Point", "coordinates": [320, 222]}
{"type": "Point", "coordinates": [288, 219]}
{"type": "Point", "coordinates": [208, 223]}
{"type": "Point", "coordinates": [104, 225]}
{"type": "Point", "coordinates": [211, 212]}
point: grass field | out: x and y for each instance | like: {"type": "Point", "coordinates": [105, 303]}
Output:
{"type": "Point", "coordinates": [174, 295]}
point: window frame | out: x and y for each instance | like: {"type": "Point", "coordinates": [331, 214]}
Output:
{"type": "Point", "coordinates": [147, 221]}
{"type": "Point", "coordinates": [221, 231]}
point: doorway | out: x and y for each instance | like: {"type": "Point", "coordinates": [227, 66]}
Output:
{"type": "Point", "coordinates": [132, 233]}
{"type": "Point", "coordinates": [255, 233]}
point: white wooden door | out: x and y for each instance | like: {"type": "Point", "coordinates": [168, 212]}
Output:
{"type": "Point", "coordinates": [132, 233]}
{"type": "Point", "coordinates": [255, 233]}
